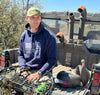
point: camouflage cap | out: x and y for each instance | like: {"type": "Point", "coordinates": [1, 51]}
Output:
{"type": "Point", "coordinates": [33, 11]}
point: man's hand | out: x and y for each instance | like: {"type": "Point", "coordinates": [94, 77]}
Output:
{"type": "Point", "coordinates": [33, 77]}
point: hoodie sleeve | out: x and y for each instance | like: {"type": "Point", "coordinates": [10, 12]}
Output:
{"type": "Point", "coordinates": [21, 59]}
{"type": "Point", "coordinates": [51, 55]}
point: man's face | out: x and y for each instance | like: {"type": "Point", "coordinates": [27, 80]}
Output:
{"type": "Point", "coordinates": [34, 21]}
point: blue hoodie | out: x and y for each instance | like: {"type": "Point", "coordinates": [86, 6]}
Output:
{"type": "Point", "coordinates": [37, 50]}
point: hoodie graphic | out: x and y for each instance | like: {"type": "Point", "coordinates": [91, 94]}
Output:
{"type": "Point", "coordinates": [35, 50]}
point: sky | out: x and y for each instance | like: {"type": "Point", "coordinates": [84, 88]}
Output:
{"type": "Point", "coordinates": [64, 5]}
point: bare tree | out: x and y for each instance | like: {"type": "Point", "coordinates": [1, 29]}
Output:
{"type": "Point", "coordinates": [28, 4]}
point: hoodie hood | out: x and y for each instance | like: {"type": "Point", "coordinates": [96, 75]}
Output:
{"type": "Point", "coordinates": [27, 27]}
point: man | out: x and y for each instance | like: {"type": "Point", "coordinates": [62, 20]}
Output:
{"type": "Point", "coordinates": [37, 48]}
